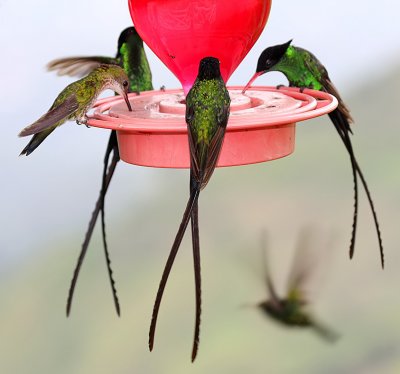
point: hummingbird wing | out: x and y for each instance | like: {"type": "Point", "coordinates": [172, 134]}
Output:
{"type": "Point", "coordinates": [302, 267]}
{"type": "Point", "coordinates": [204, 157]}
{"type": "Point", "coordinates": [57, 114]}
{"type": "Point", "coordinates": [342, 107]}
{"type": "Point", "coordinates": [311, 263]}
{"type": "Point", "coordinates": [79, 66]}
{"type": "Point", "coordinates": [273, 295]}
{"type": "Point", "coordinates": [319, 70]}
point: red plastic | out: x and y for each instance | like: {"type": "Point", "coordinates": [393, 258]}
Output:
{"type": "Point", "coordinates": [182, 32]}
{"type": "Point", "coordinates": [261, 125]}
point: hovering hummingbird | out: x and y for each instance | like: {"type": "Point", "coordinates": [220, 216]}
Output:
{"type": "Point", "coordinates": [304, 70]}
{"type": "Point", "coordinates": [75, 101]}
{"type": "Point", "coordinates": [131, 56]}
{"type": "Point", "coordinates": [293, 309]}
{"type": "Point", "coordinates": [207, 112]}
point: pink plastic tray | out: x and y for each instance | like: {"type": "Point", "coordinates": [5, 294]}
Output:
{"type": "Point", "coordinates": [261, 125]}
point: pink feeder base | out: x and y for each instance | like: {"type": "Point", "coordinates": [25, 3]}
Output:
{"type": "Point", "coordinates": [261, 125]}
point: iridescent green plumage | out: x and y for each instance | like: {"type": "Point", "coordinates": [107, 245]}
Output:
{"type": "Point", "coordinates": [207, 112]}
{"type": "Point", "coordinates": [304, 70]}
{"type": "Point", "coordinates": [301, 68]}
{"type": "Point", "coordinates": [132, 58]}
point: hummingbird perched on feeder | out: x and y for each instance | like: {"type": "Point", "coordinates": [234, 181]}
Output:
{"type": "Point", "coordinates": [292, 310]}
{"type": "Point", "coordinates": [75, 101]}
{"type": "Point", "coordinates": [130, 56]}
{"type": "Point", "coordinates": [207, 112]}
{"type": "Point", "coordinates": [304, 70]}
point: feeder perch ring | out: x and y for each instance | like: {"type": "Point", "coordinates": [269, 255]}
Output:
{"type": "Point", "coordinates": [261, 124]}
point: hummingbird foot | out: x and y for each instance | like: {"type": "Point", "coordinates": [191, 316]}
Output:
{"type": "Point", "coordinates": [83, 121]}
{"type": "Point", "coordinates": [279, 86]}
{"type": "Point", "coordinates": [301, 89]}
{"type": "Point", "coordinates": [162, 88]}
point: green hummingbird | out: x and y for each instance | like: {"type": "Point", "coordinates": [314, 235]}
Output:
{"type": "Point", "coordinates": [131, 56]}
{"type": "Point", "coordinates": [75, 101]}
{"type": "Point", "coordinates": [293, 309]}
{"type": "Point", "coordinates": [304, 70]}
{"type": "Point", "coordinates": [207, 112]}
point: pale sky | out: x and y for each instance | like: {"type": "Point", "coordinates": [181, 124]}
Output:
{"type": "Point", "coordinates": [357, 40]}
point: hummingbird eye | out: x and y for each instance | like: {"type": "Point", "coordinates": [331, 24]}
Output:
{"type": "Point", "coordinates": [125, 83]}
{"type": "Point", "coordinates": [268, 63]}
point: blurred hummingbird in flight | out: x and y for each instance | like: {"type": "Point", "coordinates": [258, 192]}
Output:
{"type": "Point", "coordinates": [304, 70]}
{"type": "Point", "coordinates": [207, 113]}
{"type": "Point", "coordinates": [292, 310]}
{"type": "Point", "coordinates": [131, 56]}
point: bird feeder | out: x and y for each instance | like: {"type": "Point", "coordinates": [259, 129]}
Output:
{"type": "Point", "coordinates": [262, 122]}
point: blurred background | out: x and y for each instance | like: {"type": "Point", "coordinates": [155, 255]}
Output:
{"type": "Point", "coordinates": [46, 201]}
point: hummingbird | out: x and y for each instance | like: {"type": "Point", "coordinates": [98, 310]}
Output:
{"type": "Point", "coordinates": [75, 101]}
{"type": "Point", "coordinates": [130, 56]}
{"type": "Point", "coordinates": [207, 113]}
{"type": "Point", "coordinates": [304, 70]}
{"type": "Point", "coordinates": [292, 310]}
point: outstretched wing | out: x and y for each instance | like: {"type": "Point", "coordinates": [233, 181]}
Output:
{"type": "Point", "coordinates": [273, 295]}
{"type": "Point", "coordinates": [52, 117]}
{"type": "Point", "coordinates": [79, 66]}
{"type": "Point", "coordinates": [302, 267]}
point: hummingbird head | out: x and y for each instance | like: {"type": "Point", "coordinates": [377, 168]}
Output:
{"type": "Point", "coordinates": [268, 306]}
{"type": "Point", "coordinates": [130, 36]}
{"type": "Point", "coordinates": [271, 56]}
{"type": "Point", "coordinates": [209, 69]}
{"type": "Point", "coordinates": [267, 60]}
{"type": "Point", "coordinates": [117, 80]}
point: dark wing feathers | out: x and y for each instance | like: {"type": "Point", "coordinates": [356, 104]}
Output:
{"type": "Point", "coordinates": [216, 144]}
{"type": "Point", "coordinates": [318, 69]}
{"type": "Point", "coordinates": [273, 295]}
{"type": "Point", "coordinates": [211, 151]}
{"type": "Point", "coordinates": [213, 154]}
{"type": "Point", "coordinates": [342, 108]}
{"type": "Point", "coordinates": [79, 66]}
{"type": "Point", "coordinates": [302, 266]}
{"type": "Point", "coordinates": [57, 114]}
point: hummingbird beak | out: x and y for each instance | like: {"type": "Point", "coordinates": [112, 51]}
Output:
{"type": "Point", "coordinates": [127, 101]}
{"type": "Point", "coordinates": [253, 78]}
